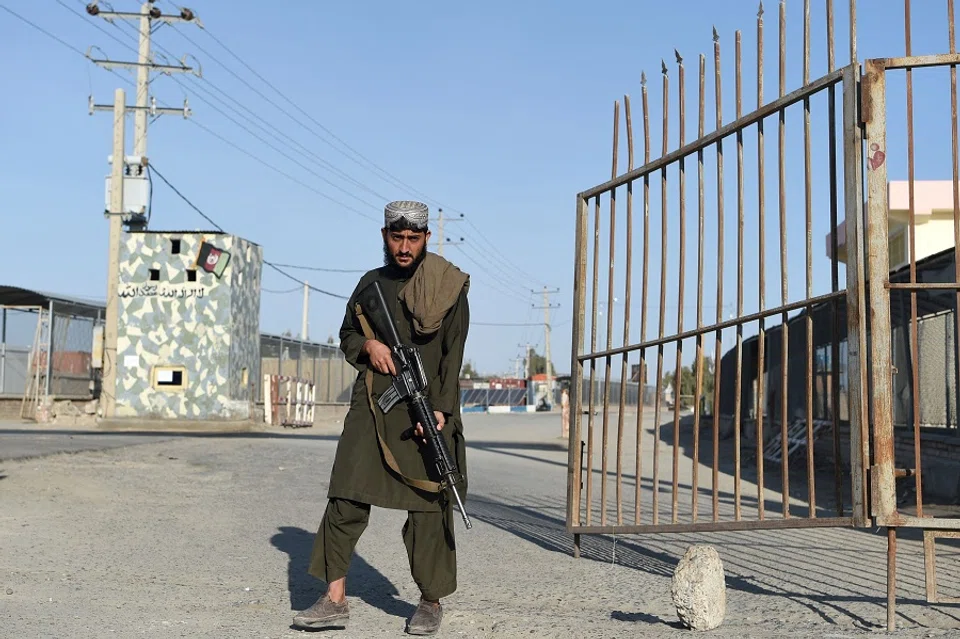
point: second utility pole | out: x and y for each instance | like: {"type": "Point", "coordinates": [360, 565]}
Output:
{"type": "Point", "coordinates": [546, 334]}
{"type": "Point", "coordinates": [108, 391]}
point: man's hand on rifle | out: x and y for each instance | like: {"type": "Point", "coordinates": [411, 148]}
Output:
{"type": "Point", "coordinates": [441, 420]}
{"type": "Point", "coordinates": [380, 357]}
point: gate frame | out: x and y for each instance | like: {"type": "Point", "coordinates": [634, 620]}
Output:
{"type": "Point", "coordinates": [873, 482]}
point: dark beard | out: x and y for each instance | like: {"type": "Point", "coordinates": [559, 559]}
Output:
{"type": "Point", "coordinates": [402, 271]}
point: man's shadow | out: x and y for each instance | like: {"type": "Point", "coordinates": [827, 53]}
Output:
{"type": "Point", "coordinates": [363, 580]}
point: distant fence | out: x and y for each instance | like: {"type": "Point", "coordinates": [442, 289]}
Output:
{"type": "Point", "coordinates": [322, 364]}
{"type": "Point", "coordinates": [27, 335]}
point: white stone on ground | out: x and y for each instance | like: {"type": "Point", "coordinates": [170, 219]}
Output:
{"type": "Point", "coordinates": [699, 590]}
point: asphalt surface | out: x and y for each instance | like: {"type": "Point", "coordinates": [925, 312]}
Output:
{"type": "Point", "coordinates": [201, 536]}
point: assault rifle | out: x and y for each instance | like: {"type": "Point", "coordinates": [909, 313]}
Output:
{"type": "Point", "coordinates": [410, 385]}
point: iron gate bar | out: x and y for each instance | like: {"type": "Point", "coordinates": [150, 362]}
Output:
{"type": "Point", "coordinates": [808, 217]}
{"type": "Point", "coordinates": [715, 526]}
{"type": "Point", "coordinates": [738, 381]}
{"type": "Point", "coordinates": [761, 113]}
{"type": "Point", "coordinates": [745, 319]}
{"type": "Point", "coordinates": [784, 340]}
{"type": "Point", "coordinates": [762, 284]}
{"type": "Point", "coordinates": [718, 353]}
{"type": "Point", "coordinates": [955, 157]}
{"type": "Point", "coordinates": [914, 331]}
{"type": "Point", "coordinates": [663, 294]}
{"type": "Point", "coordinates": [644, 285]}
{"type": "Point", "coordinates": [626, 313]}
{"type": "Point", "coordinates": [918, 61]}
{"type": "Point", "coordinates": [609, 331]}
{"type": "Point", "coordinates": [698, 356]}
{"type": "Point", "coordinates": [677, 380]}
{"type": "Point", "coordinates": [920, 286]}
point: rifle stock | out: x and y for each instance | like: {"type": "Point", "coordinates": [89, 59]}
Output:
{"type": "Point", "coordinates": [409, 385]}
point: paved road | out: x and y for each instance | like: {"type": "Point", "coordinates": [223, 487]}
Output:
{"type": "Point", "coordinates": [22, 441]}
{"type": "Point", "coordinates": [210, 536]}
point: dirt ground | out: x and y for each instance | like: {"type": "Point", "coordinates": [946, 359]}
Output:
{"type": "Point", "coordinates": [193, 535]}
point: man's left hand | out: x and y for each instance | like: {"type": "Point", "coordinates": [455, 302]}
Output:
{"type": "Point", "coordinates": [441, 420]}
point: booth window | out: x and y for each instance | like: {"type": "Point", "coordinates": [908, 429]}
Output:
{"type": "Point", "coordinates": [169, 377]}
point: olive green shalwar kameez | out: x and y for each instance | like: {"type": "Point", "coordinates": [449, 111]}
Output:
{"type": "Point", "coordinates": [360, 477]}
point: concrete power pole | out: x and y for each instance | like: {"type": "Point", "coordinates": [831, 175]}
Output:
{"type": "Point", "coordinates": [109, 389]}
{"type": "Point", "coordinates": [305, 325]}
{"type": "Point", "coordinates": [546, 334]}
{"type": "Point", "coordinates": [145, 105]}
{"type": "Point", "coordinates": [122, 209]}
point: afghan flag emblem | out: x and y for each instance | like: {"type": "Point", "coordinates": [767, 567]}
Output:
{"type": "Point", "coordinates": [212, 259]}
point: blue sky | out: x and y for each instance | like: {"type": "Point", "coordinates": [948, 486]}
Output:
{"type": "Point", "coordinates": [499, 110]}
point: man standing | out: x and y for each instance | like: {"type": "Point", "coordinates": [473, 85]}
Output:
{"type": "Point", "coordinates": [378, 463]}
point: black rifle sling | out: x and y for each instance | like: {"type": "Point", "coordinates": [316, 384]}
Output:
{"type": "Point", "coordinates": [422, 484]}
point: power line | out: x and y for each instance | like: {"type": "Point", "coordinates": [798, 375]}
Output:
{"type": "Point", "coordinates": [323, 270]}
{"type": "Point", "coordinates": [372, 165]}
{"type": "Point", "coordinates": [220, 228]}
{"type": "Point", "coordinates": [295, 289]}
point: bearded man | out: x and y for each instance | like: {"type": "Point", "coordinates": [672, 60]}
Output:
{"type": "Point", "coordinates": [428, 298]}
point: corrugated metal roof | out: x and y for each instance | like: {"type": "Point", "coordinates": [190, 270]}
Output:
{"type": "Point", "coordinates": [17, 296]}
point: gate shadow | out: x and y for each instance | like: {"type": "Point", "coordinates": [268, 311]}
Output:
{"type": "Point", "coordinates": [744, 569]}
{"type": "Point", "coordinates": [363, 580]}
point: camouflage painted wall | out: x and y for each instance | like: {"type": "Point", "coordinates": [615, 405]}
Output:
{"type": "Point", "coordinates": [244, 277]}
{"type": "Point", "coordinates": [186, 332]}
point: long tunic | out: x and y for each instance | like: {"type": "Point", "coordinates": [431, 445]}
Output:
{"type": "Point", "coordinates": [359, 470]}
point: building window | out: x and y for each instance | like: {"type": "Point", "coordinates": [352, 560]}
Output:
{"type": "Point", "coordinates": [175, 247]}
{"type": "Point", "coordinates": [154, 275]}
{"type": "Point", "coordinates": [192, 275]}
{"type": "Point", "coordinates": [171, 378]}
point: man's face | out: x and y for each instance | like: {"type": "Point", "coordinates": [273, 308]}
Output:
{"type": "Point", "coordinates": [405, 248]}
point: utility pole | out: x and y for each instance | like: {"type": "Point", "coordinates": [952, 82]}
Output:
{"type": "Point", "coordinates": [546, 334]}
{"type": "Point", "coordinates": [441, 237]}
{"type": "Point", "coordinates": [145, 105]}
{"type": "Point", "coordinates": [128, 199]}
{"type": "Point", "coordinates": [115, 213]}
{"type": "Point", "coordinates": [305, 325]}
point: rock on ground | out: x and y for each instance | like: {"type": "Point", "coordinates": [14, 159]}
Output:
{"type": "Point", "coordinates": [699, 590]}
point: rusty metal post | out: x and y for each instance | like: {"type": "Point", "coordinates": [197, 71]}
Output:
{"type": "Point", "coordinates": [891, 579]}
{"type": "Point", "coordinates": [914, 339]}
{"type": "Point", "coordinates": [644, 285]}
{"type": "Point", "coordinates": [808, 210]}
{"type": "Point", "coordinates": [626, 313]}
{"type": "Point", "coordinates": [574, 466]}
{"type": "Point", "coordinates": [698, 357]}
{"type": "Point", "coordinates": [663, 297]}
{"type": "Point", "coordinates": [718, 350]}
{"type": "Point", "coordinates": [761, 246]}
{"type": "Point", "coordinates": [738, 379]}
{"type": "Point", "coordinates": [883, 487]}
{"type": "Point", "coordinates": [857, 353]}
{"type": "Point", "coordinates": [608, 361]}
{"type": "Point", "coordinates": [784, 318]}
{"type": "Point", "coordinates": [678, 379]}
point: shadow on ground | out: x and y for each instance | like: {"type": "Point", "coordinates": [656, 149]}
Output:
{"type": "Point", "coordinates": [363, 581]}
{"type": "Point", "coordinates": [747, 568]}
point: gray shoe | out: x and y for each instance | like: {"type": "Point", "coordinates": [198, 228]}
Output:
{"type": "Point", "coordinates": [323, 614]}
{"type": "Point", "coordinates": [426, 620]}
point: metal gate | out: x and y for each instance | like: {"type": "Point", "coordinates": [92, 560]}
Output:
{"type": "Point", "coordinates": [767, 376]}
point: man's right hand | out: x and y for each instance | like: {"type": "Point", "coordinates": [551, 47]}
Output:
{"type": "Point", "coordinates": [380, 357]}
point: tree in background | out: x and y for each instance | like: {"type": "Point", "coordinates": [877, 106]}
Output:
{"type": "Point", "coordinates": [468, 372]}
{"type": "Point", "coordinates": [538, 364]}
{"type": "Point", "coordinates": [684, 396]}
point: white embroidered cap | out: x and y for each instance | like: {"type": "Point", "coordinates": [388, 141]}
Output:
{"type": "Point", "coordinates": [416, 213]}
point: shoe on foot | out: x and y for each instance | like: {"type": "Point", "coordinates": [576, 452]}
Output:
{"type": "Point", "coordinates": [325, 613]}
{"type": "Point", "coordinates": [426, 620]}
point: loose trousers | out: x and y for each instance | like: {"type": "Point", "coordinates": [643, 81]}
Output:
{"type": "Point", "coordinates": [428, 537]}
